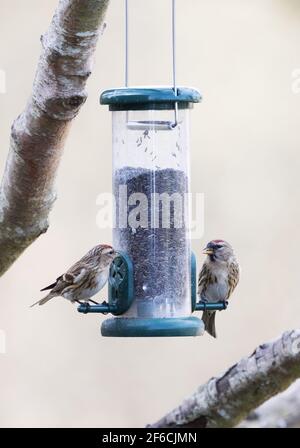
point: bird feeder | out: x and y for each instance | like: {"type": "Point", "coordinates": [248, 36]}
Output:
{"type": "Point", "coordinates": [152, 282]}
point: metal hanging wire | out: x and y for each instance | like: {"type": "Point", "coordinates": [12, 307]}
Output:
{"type": "Point", "coordinates": [126, 42]}
{"type": "Point", "coordinates": [174, 58]}
{"type": "Point", "coordinates": [162, 124]}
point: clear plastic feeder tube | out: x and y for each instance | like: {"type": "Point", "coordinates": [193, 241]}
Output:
{"type": "Point", "coordinates": [151, 222]}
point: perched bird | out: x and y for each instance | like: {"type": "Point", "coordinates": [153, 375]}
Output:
{"type": "Point", "coordinates": [218, 278]}
{"type": "Point", "coordinates": [84, 279]}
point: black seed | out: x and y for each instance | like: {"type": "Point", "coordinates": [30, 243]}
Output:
{"type": "Point", "coordinates": [161, 256]}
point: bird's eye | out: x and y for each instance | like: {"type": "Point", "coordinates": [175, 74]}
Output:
{"type": "Point", "coordinates": [218, 246]}
{"type": "Point", "coordinates": [111, 252]}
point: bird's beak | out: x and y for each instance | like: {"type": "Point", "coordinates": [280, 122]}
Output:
{"type": "Point", "coordinates": [208, 251]}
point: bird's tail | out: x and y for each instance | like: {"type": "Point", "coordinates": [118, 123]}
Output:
{"type": "Point", "coordinates": [44, 300]}
{"type": "Point", "coordinates": [208, 318]}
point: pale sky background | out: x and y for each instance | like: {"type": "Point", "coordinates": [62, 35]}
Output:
{"type": "Point", "coordinates": [245, 156]}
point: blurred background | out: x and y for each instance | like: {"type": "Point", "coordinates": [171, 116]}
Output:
{"type": "Point", "coordinates": [245, 158]}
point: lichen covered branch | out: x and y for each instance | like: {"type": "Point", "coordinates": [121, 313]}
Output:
{"type": "Point", "coordinates": [228, 399]}
{"type": "Point", "coordinates": [38, 134]}
{"type": "Point", "coordinates": [282, 411]}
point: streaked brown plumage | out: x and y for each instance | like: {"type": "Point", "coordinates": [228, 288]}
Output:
{"type": "Point", "coordinates": [218, 278]}
{"type": "Point", "coordinates": [84, 279]}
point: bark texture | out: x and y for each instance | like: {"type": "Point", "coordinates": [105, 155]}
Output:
{"type": "Point", "coordinates": [38, 134]}
{"type": "Point", "coordinates": [227, 400]}
{"type": "Point", "coordinates": [282, 411]}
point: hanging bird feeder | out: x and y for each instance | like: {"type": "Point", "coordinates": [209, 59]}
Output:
{"type": "Point", "coordinates": [152, 282]}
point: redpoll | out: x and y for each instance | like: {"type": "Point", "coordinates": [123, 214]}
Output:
{"type": "Point", "coordinates": [217, 279]}
{"type": "Point", "coordinates": [85, 278]}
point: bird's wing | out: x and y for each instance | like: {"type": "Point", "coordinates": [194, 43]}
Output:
{"type": "Point", "coordinates": [52, 284]}
{"type": "Point", "coordinates": [74, 277]}
{"type": "Point", "coordinates": [233, 277]}
{"type": "Point", "coordinates": [203, 279]}
{"type": "Point", "coordinates": [77, 274]}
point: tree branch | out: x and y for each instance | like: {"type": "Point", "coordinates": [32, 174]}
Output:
{"type": "Point", "coordinates": [38, 134]}
{"type": "Point", "coordinates": [226, 400]}
{"type": "Point", "coordinates": [282, 411]}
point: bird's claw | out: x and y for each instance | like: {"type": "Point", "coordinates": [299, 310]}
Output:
{"type": "Point", "coordinates": [203, 301]}
{"type": "Point", "coordinates": [104, 303]}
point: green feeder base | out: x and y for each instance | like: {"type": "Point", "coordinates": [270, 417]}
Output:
{"type": "Point", "coordinates": [152, 327]}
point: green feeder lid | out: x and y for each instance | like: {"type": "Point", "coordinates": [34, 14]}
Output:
{"type": "Point", "coordinates": [144, 98]}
